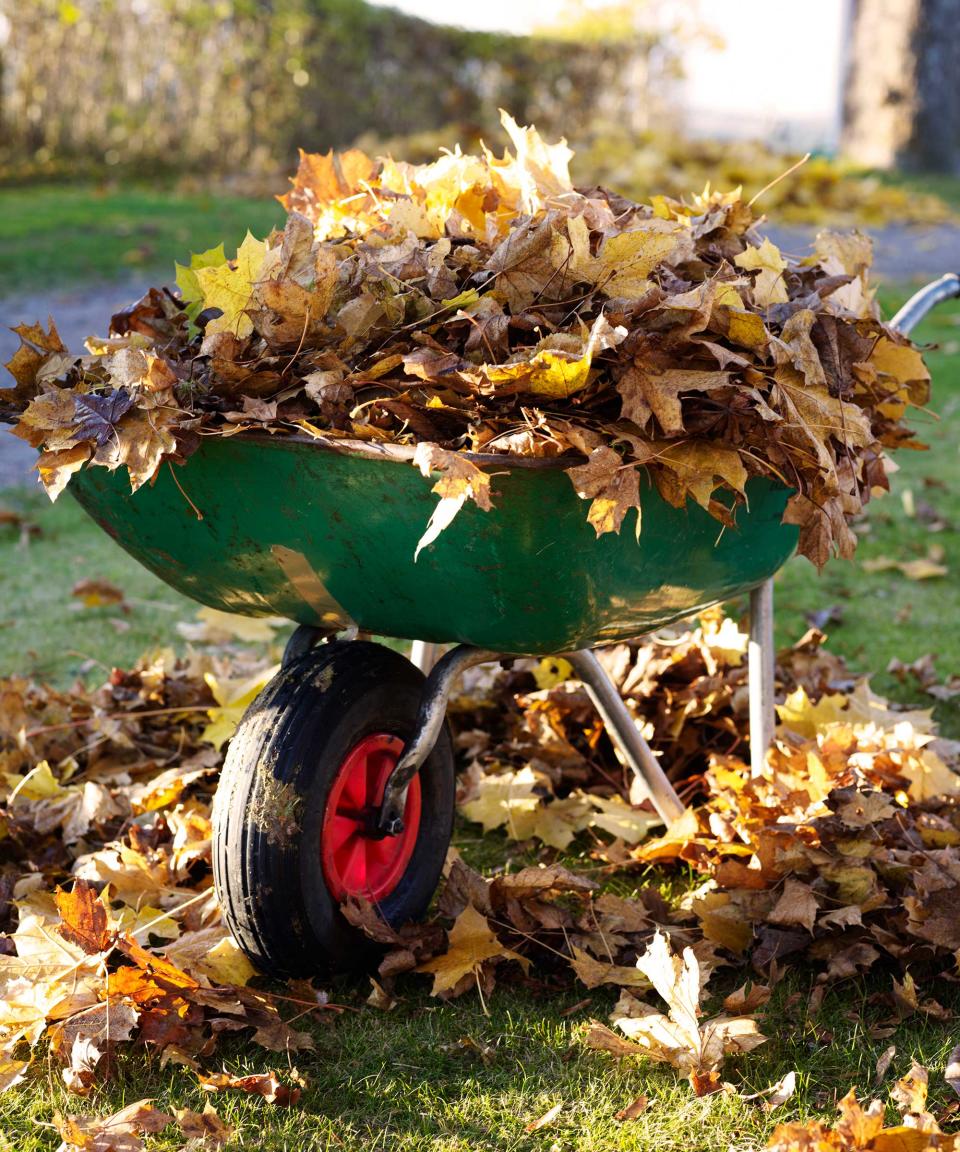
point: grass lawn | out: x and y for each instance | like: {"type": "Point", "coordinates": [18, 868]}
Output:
{"type": "Point", "coordinates": [51, 235]}
{"type": "Point", "coordinates": [412, 1079]}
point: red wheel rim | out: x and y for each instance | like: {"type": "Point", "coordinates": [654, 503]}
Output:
{"type": "Point", "coordinates": [354, 863]}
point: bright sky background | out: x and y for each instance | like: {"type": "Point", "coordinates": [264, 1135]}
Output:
{"type": "Point", "coordinates": [781, 64]}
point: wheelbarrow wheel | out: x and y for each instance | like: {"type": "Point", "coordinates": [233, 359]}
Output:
{"type": "Point", "coordinates": [290, 839]}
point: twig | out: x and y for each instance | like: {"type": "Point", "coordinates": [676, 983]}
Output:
{"type": "Point", "coordinates": [196, 510]}
{"type": "Point", "coordinates": [783, 175]}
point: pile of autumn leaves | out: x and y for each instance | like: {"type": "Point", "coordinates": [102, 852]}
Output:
{"type": "Point", "coordinates": [843, 854]}
{"type": "Point", "coordinates": [482, 304]}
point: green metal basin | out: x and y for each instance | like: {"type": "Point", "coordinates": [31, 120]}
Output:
{"type": "Point", "coordinates": [294, 528]}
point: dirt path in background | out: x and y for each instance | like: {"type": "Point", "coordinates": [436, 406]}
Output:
{"type": "Point", "coordinates": [902, 253]}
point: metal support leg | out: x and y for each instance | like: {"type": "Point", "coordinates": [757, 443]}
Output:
{"type": "Point", "coordinates": [433, 709]}
{"type": "Point", "coordinates": [424, 654]}
{"type": "Point", "coordinates": [302, 639]}
{"type": "Point", "coordinates": [761, 657]}
{"type": "Point", "coordinates": [624, 733]}
{"type": "Point", "coordinates": [433, 706]}
{"type": "Point", "coordinates": [924, 301]}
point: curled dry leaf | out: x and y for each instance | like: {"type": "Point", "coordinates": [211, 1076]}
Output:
{"type": "Point", "coordinates": [265, 1084]}
{"type": "Point", "coordinates": [633, 1110]}
{"type": "Point", "coordinates": [546, 1119]}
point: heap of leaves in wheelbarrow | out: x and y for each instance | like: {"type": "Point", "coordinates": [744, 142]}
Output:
{"type": "Point", "coordinates": [482, 304]}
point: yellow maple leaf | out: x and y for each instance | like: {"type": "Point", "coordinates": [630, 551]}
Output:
{"type": "Point", "coordinates": [508, 798]}
{"type": "Point", "coordinates": [801, 715]}
{"type": "Point", "coordinates": [699, 465]}
{"type": "Point", "coordinates": [746, 329]}
{"type": "Point", "coordinates": [594, 972]}
{"type": "Point", "coordinates": [471, 942]}
{"type": "Point", "coordinates": [626, 260]}
{"type": "Point", "coordinates": [233, 696]}
{"type": "Point", "coordinates": [768, 288]}
{"type": "Point", "coordinates": [555, 823]}
{"type": "Point", "coordinates": [230, 286]}
{"type": "Point", "coordinates": [618, 818]}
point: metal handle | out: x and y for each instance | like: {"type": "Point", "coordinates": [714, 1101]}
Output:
{"type": "Point", "coordinates": [924, 301]}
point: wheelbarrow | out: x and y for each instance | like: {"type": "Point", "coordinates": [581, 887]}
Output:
{"type": "Point", "coordinates": [339, 781]}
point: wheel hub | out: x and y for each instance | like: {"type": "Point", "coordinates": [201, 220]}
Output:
{"type": "Point", "coordinates": [355, 860]}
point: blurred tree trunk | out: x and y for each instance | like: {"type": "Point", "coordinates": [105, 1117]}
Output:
{"type": "Point", "coordinates": [902, 92]}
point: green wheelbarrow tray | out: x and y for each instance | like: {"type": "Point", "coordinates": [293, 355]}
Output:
{"type": "Point", "coordinates": [326, 536]}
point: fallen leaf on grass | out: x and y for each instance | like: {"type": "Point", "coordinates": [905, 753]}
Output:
{"type": "Point", "coordinates": [858, 1130]}
{"type": "Point", "coordinates": [205, 1127]}
{"type": "Point", "coordinates": [593, 972]}
{"type": "Point", "coordinates": [634, 1110]}
{"type": "Point", "coordinates": [777, 1094]}
{"type": "Point", "coordinates": [97, 593]}
{"type": "Point", "coordinates": [379, 998]}
{"type": "Point", "coordinates": [747, 999]}
{"type": "Point", "coordinates": [120, 1132]}
{"type": "Point", "coordinates": [265, 1084]}
{"type": "Point", "coordinates": [910, 1091]}
{"type": "Point", "coordinates": [12, 1072]}
{"type": "Point", "coordinates": [696, 1049]}
{"type": "Point", "coordinates": [883, 1064]}
{"type": "Point", "coordinates": [781, 1092]}
{"type": "Point", "coordinates": [472, 943]}
{"type": "Point", "coordinates": [922, 569]}
{"type": "Point", "coordinates": [546, 1119]}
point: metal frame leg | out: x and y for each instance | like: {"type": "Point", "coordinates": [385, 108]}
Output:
{"type": "Point", "coordinates": [430, 717]}
{"type": "Point", "coordinates": [761, 659]}
{"type": "Point", "coordinates": [624, 733]}
{"type": "Point", "coordinates": [424, 654]}
{"type": "Point", "coordinates": [606, 699]}
{"type": "Point", "coordinates": [301, 640]}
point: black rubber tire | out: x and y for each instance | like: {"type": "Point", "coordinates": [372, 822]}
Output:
{"type": "Point", "coordinates": [269, 806]}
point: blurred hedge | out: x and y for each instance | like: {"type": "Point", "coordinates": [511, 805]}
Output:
{"type": "Point", "coordinates": [234, 86]}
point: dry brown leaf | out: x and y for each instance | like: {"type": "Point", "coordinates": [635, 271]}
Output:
{"type": "Point", "coordinates": [205, 1126]}
{"type": "Point", "coordinates": [265, 1084]}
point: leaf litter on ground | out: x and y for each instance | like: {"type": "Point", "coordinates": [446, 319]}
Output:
{"type": "Point", "coordinates": [843, 854]}
{"type": "Point", "coordinates": [465, 312]}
